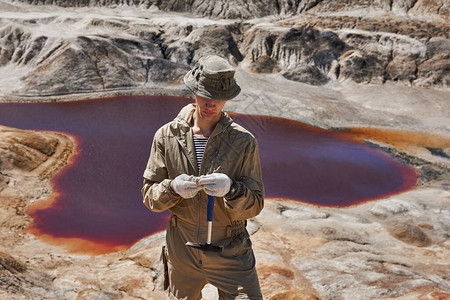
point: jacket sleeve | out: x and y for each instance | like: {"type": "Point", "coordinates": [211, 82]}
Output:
{"type": "Point", "coordinates": [247, 200]}
{"type": "Point", "coordinates": [156, 192]}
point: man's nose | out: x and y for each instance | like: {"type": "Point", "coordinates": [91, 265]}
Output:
{"type": "Point", "coordinates": [210, 104]}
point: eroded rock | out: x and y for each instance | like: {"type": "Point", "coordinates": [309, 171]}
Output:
{"type": "Point", "coordinates": [306, 74]}
{"type": "Point", "coordinates": [265, 64]}
{"type": "Point", "coordinates": [155, 49]}
{"type": "Point", "coordinates": [260, 8]}
{"type": "Point", "coordinates": [35, 152]}
{"type": "Point", "coordinates": [7, 262]}
{"type": "Point", "coordinates": [24, 150]}
{"type": "Point", "coordinates": [409, 233]}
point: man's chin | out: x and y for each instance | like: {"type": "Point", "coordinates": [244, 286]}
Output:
{"type": "Point", "coordinates": [209, 115]}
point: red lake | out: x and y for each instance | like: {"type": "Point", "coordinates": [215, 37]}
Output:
{"type": "Point", "coordinates": [97, 201]}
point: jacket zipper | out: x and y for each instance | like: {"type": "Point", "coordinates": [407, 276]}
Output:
{"type": "Point", "coordinates": [185, 151]}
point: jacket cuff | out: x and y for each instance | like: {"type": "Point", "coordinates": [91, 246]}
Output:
{"type": "Point", "coordinates": [235, 191]}
{"type": "Point", "coordinates": [170, 190]}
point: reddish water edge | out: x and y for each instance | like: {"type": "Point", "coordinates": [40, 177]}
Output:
{"type": "Point", "coordinates": [97, 205]}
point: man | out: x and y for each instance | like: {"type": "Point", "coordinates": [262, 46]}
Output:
{"type": "Point", "coordinates": [202, 151]}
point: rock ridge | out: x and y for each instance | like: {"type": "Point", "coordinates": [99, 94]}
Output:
{"type": "Point", "coordinates": [104, 54]}
{"type": "Point", "coordinates": [236, 9]}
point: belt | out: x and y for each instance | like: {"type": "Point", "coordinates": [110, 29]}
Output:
{"type": "Point", "coordinates": [235, 229]}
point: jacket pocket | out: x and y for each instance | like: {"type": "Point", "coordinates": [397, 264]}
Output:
{"type": "Point", "coordinates": [237, 245]}
{"type": "Point", "coordinates": [239, 250]}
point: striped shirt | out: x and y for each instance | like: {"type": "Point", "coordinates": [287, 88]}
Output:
{"type": "Point", "coordinates": [199, 144]}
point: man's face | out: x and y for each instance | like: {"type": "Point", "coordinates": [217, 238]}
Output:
{"type": "Point", "coordinates": [209, 109]}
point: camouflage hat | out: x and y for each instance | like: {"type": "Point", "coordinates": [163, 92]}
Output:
{"type": "Point", "coordinates": [213, 78]}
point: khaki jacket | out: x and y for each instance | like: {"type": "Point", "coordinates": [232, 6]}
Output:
{"type": "Point", "coordinates": [230, 149]}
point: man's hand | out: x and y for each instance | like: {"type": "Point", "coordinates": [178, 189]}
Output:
{"type": "Point", "coordinates": [185, 186]}
{"type": "Point", "coordinates": [216, 184]}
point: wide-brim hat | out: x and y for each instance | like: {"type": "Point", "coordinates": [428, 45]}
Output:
{"type": "Point", "coordinates": [213, 78]}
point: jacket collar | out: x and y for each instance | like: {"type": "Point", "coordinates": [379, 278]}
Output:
{"type": "Point", "coordinates": [184, 120]}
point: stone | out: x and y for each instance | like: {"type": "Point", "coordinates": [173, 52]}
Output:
{"type": "Point", "coordinates": [388, 208]}
{"type": "Point", "coordinates": [265, 64]}
{"type": "Point", "coordinates": [100, 295]}
{"type": "Point", "coordinates": [214, 39]}
{"type": "Point", "coordinates": [304, 214]}
{"type": "Point", "coordinates": [434, 71]}
{"type": "Point", "coordinates": [409, 234]}
{"type": "Point", "coordinates": [24, 150]}
{"type": "Point", "coordinates": [12, 265]}
{"type": "Point", "coordinates": [358, 67]}
{"type": "Point", "coordinates": [306, 74]}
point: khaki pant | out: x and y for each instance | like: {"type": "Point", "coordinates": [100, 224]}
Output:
{"type": "Point", "coordinates": [232, 271]}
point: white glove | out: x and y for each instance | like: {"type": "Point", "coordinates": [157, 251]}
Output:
{"type": "Point", "coordinates": [216, 184]}
{"type": "Point", "coordinates": [185, 186]}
